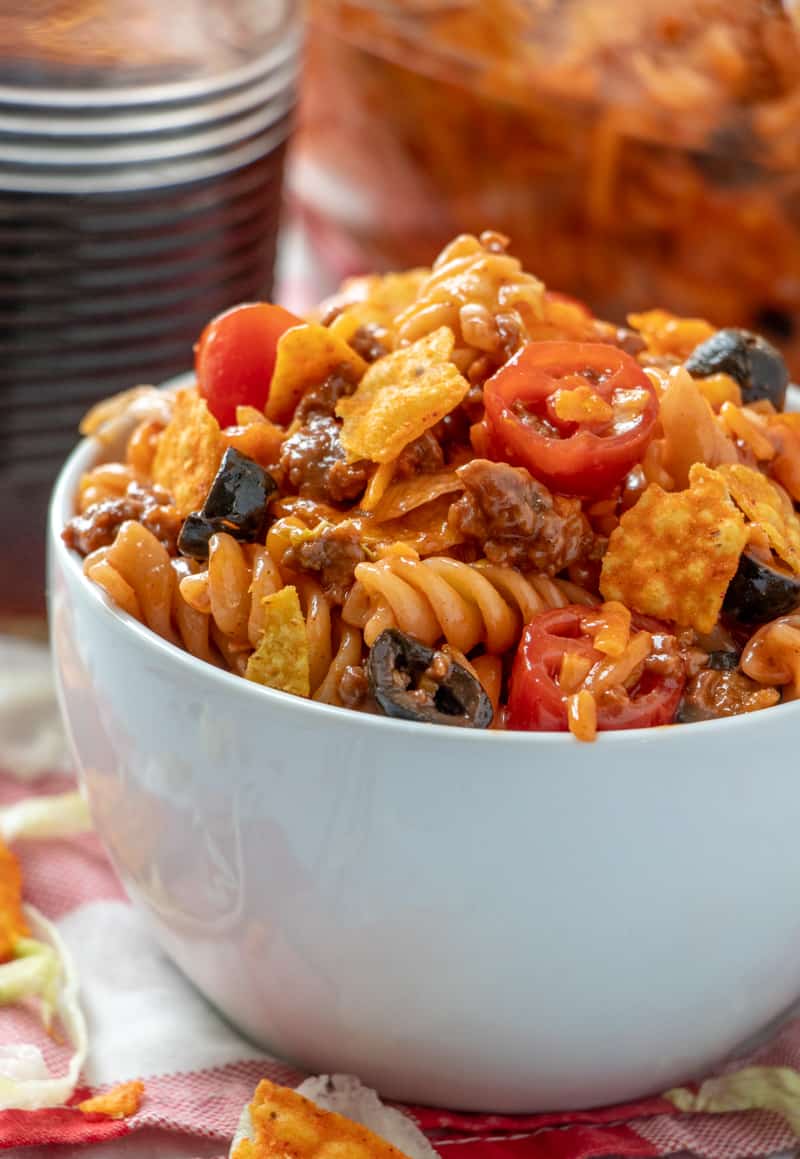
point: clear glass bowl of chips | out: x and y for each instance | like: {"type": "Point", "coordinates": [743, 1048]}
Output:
{"type": "Point", "coordinates": [639, 150]}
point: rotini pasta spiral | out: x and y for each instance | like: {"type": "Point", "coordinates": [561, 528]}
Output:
{"type": "Point", "coordinates": [229, 593]}
{"type": "Point", "coordinates": [469, 284]}
{"type": "Point", "coordinates": [141, 448]}
{"type": "Point", "coordinates": [192, 626]}
{"type": "Point", "coordinates": [136, 571]}
{"type": "Point", "coordinates": [107, 481]}
{"type": "Point", "coordinates": [772, 655]}
{"type": "Point", "coordinates": [108, 420]}
{"type": "Point", "coordinates": [216, 612]}
{"type": "Point", "coordinates": [441, 598]}
{"type": "Point", "coordinates": [113, 480]}
{"type": "Point", "coordinates": [347, 655]}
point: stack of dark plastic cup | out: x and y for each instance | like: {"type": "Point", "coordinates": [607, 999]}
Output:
{"type": "Point", "coordinates": [136, 201]}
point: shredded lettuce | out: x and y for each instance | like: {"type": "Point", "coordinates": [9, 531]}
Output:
{"type": "Point", "coordinates": [42, 968]}
{"type": "Point", "coordinates": [765, 1088]}
{"type": "Point", "coordinates": [57, 815]}
{"type": "Point", "coordinates": [33, 972]}
{"type": "Point", "coordinates": [21, 1061]}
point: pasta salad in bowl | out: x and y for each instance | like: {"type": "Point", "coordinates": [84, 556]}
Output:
{"type": "Point", "coordinates": [330, 621]}
{"type": "Point", "coordinates": [456, 497]}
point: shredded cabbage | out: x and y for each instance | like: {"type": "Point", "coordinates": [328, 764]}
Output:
{"type": "Point", "coordinates": [33, 972]}
{"type": "Point", "coordinates": [57, 815]}
{"type": "Point", "coordinates": [21, 1061]}
{"type": "Point", "coordinates": [766, 1088]}
{"type": "Point", "coordinates": [43, 968]}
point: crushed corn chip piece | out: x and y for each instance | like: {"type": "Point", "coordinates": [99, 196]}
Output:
{"type": "Point", "coordinates": [305, 356]}
{"type": "Point", "coordinates": [119, 1103]}
{"type": "Point", "coordinates": [12, 923]}
{"type": "Point", "coordinates": [374, 300]}
{"type": "Point", "coordinates": [767, 507]}
{"type": "Point", "coordinates": [344, 326]}
{"type": "Point", "coordinates": [408, 494]}
{"type": "Point", "coordinates": [284, 1123]}
{"type": "Point", "coordinates": [673, 555]}
{"type": "Point", "coordinates": [281, 659]}
{"type": "Point", "coordinates": [758, 539]}
{"type": "Point", "coordinates": [400, 397]}
{"type": "Point", "coordinates": [189, 452]}
{"type": "Point", "coordinates": [581, 405]}
{"type": "Point", "coordinates": [426, 529]}
{"type": "Point", "coordinates": [376, 488]}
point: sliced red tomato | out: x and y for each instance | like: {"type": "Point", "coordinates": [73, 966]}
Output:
{"type": "Point", "coordinates": [584, 458]}
{"type": "Point", "coordinates": [537, 704]}
{"type": "Point", "coordinates": [235, 357]}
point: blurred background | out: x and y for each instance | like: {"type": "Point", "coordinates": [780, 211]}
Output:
{"type": "Point", "coordinates": [154, 162]}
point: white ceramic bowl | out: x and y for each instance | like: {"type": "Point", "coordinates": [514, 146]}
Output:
{"type": "Point", "coordinates": [490, 921]}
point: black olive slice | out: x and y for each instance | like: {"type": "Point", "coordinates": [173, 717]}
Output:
{"type": "Point", "coordinates": [239, 493]}
{"type": "Point", "coordinates": [194, 536]}
{"type": "Point", "coordinates": [236, 503]}
{"type": "Point", "coordinates": [760, 592]}
{"type": "Point", "coordinates": [750, 360]}
{"type": "Point", "coordinates": [397, 664]}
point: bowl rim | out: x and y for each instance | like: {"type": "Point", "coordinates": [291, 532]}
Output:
{"type": "Point", "coordinates": [90, 451]}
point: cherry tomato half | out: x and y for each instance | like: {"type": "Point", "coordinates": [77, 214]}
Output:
{"type": "Point", "coordinates": [585, 458]}
{"type": "Point", "coordinates": [537, 704]}
{"type": "Point", "coordinates": [235, 357]}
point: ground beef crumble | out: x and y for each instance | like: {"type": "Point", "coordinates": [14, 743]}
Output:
{"type": "Point", "coordinates": [517, 520]}
{"type": "Point", "coordinates": [622, 336]}
{"type": "Point", "coordinates": [354, 686]}
{"type": "Point", "coordinates": [472, 404]}
{"type": "Point", "coordinates": [98, 525]}
{"type": "Point", "coordinates": [314, 463]}
{"type": "Point", "coordinates": [331, 556]}
{"type": "Point", "coordinates": [509, 334]}
{"type": "Point", "coordinates": [322, 399]}
{"type": "Point", "coordinates": [723, 692]}
{"type": "Point", "coordinates": [369, 341]}
{"type": "Point", "coordinates": [420, 457]}
{"type": "Point", "coordinates": [452, 432]}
